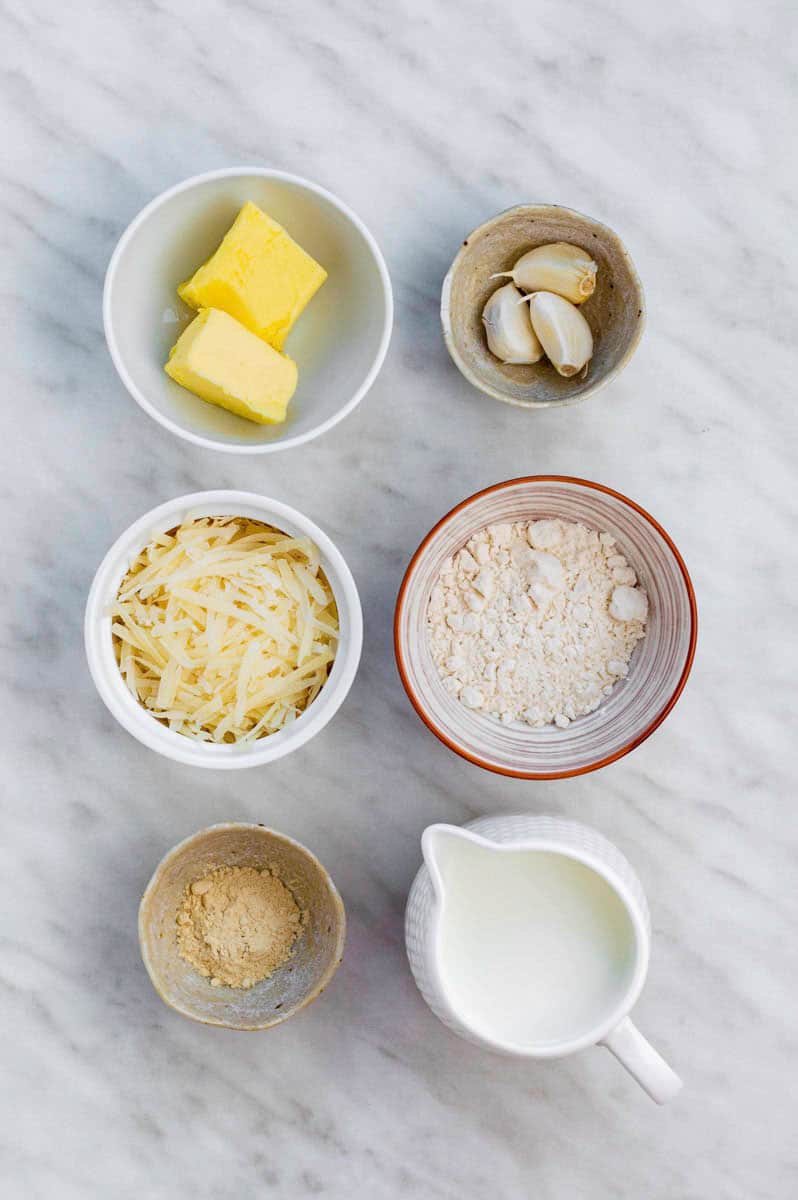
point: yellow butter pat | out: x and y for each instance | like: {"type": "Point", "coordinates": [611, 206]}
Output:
{"type": "Point", "coordinates": [223, 363]}
{"type": "Point", "coordinates": [259, 275]}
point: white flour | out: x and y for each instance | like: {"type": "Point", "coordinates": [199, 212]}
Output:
{"type": "Point", "coordinates": [535, 622]}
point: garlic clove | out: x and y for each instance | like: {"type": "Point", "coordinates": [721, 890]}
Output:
{"type": "Point", "coordinates": [508, 327]}
{"type": "Point", "coordinates": [558, 267]}
{"type": "Point", "coordinates": [562, 331]}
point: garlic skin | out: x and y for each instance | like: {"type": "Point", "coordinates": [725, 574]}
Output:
{"type": "Point", "coordinates": [558, 267]}
{"type": "Point", "coordinates": [508, 328]}
{"type": "Point", "coordinates": [562, 330]}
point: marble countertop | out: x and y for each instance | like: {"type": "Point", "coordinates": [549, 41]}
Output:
{"type": "Point", "coordinates": [670, 122]}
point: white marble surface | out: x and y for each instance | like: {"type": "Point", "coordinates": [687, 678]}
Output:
{"type": "Point", "coordinates": [670, 121]}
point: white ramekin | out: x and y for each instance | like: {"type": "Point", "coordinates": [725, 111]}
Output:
{"type": "Point", "coordinates": [339, 343]}
{"type": "Point", "coordinates": [99, 643]}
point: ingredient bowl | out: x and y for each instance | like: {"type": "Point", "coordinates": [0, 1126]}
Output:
{"type": "Point", "coordinates": [615, 312]}
{"type": "Point", "coordinates": [339, 342]}
{"type": "Point", "coordinates": [141, 723]}
{"type": "Point", "coordinates": [637, 704]}
{"type": "Point", "coordinates": [316, 954]}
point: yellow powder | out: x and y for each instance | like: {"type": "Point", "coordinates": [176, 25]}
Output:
{"type": "Point", "coordinates": [236, 925]}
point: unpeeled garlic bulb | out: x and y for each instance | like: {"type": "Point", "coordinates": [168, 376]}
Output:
{"type": "Point", "coordinates": [558, 267]}
{"type": "Point", "coordinates": [508, 327]}
{"type": "Point", "coordinates": [562, 331]}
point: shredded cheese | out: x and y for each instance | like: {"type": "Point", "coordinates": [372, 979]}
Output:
{"type": "Point", "coordinates": [225, 629]}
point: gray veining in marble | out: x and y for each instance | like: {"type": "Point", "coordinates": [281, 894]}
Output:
{"type": "Point", "coordinates": [673, 123]}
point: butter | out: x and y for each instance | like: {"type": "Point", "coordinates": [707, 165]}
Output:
{"type": "Point", "coordinates": [222, 362]}
{"type": "Point", "coordinates": [259, 275]}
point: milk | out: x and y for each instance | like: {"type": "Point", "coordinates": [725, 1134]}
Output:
{"type": "Point", "coordinates": [533, 947]}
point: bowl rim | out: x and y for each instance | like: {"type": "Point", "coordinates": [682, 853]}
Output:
{"type": "Point", "coordinates": [211, 443]}
{"type": "Point", "coordinates": [495, 393]}
{"type": "Point", "coordinates": [259, 829]}
{"type": "Point", "coordinates": [636, 741]}
{"type": "Point", "coordinates": [141, 724]}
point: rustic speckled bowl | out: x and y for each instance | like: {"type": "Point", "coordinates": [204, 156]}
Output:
{"type": "Point", "coordinates": [304, 976]}
{"type": "Point", "coordinates": [615, 312]}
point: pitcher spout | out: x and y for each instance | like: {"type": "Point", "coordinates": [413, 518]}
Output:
{"type": "Point", "coordinates": [441, 845]}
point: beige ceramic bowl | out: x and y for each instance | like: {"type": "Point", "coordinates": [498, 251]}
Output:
{"type": "Point", "coordinates": [615, 311]}
{"type": "Point", "coordinates": [304, 976]}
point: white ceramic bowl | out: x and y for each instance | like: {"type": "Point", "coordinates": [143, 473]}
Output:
{"type": "Point", "coordinates": [637, 705]}
{"type": "Point", "coordinates": [100, 650]}
{"type": "Point", "coordinates": [339, 342]}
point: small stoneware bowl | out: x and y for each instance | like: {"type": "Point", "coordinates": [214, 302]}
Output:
{"type": "Point", "coordinates": [636, 706]}
{"type": "Point", "coordinates": [339, 342]}
{"type": "Point", "coordinates": [141, 723]}
{"type": "Point", "coordinates": [316, 954]}
{"type": "Point", "coordinates": [615, 312]}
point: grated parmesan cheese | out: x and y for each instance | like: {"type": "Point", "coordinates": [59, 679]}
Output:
{"type": "Point", "coordinates": [225, 628]}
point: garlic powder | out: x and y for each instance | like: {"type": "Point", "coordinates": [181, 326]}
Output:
{"type": "Point", "coordinates": [536, 621]}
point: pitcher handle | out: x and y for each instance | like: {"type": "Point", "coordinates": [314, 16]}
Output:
{"type": "Point", "coordinates": [643, 1062]}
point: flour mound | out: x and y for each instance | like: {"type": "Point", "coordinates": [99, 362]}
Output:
{"type": "Point", "coordinates": [535, 622]}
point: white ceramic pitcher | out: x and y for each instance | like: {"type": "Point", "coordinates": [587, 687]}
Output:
{"type": "Point", "coordinates": [539, 973]}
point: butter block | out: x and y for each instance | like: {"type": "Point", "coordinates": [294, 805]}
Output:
{"type": "Point", "coordinates": [220, 361]}
{"type": "Point", "coordinates": [259, 275]}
